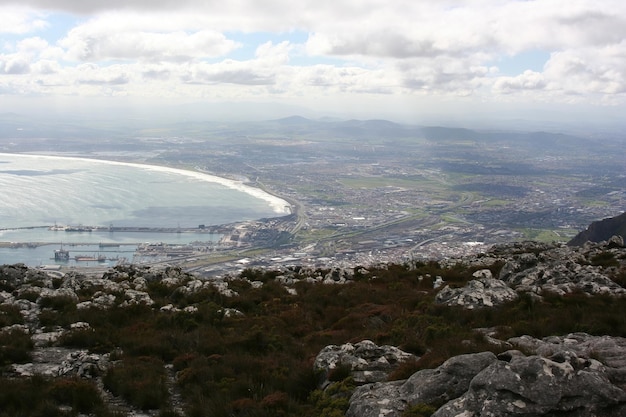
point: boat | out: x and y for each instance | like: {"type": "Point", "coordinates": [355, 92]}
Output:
{"type": "Point", "coordinates": [61, 255]}
{"type": "Point", "coordinates": [79, 229]}
{"type": "Point", "coordinates": [89, 258]}
{"type": "Point", "coordinates": [109, 245]}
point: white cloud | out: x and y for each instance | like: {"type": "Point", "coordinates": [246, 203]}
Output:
{"type": "Point", "coordinates": [529, 80]}
{"type": "Point", "coordinates": [403, 48]}
{"type": "Point", "coordinates": [15, 65]}
{"type": "Point", "coordinates": [122, 38]}
{"type": "Point", "coordinates": [19, 20]}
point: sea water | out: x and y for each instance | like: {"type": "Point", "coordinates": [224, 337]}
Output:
{"type": "Point", "coordinates": [38, 191]}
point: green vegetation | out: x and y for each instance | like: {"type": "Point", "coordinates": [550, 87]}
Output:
{"type": "Point", "coordinates": [46, 397]}
{"type": "Point", "coordinates": [541, 235]}
{"type": "Point", "coordinates": [260, 363]}
{"type": "Point", "coordinates": [377, 182]}
{"type": "Point", "coordinates": [419, 410]}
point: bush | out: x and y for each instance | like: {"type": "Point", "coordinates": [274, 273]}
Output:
{"type": "Point", "coordinates": [15, 347]}
{"type": "Point", "coordinates": [43, 397]}
{"type": "Point", "coordinates": [140, 381]}
{"type": "Point", "coordinates": [10, 315]}
{"type": "Point", "coordinates": [81, 395]}
{"type": "Point", "coordinates": [92, 339]}
{"type": "Point", "coordinates": [59, 303]}
{"type": "Point", "coordinates": [419, 410]}
{"type": "Point", "coordinates": [604, 259]}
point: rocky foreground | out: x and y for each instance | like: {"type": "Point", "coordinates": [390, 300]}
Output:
{"type": "Point", "coordinates": [574, 374]}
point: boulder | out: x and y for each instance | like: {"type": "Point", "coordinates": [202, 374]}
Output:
{"type": "Point", "coordinates": [576, 375]}
{"type": "Point", "coordinates": [368, 362]}
{"type": "Point", "coordinates": [562, 278]}
{"type": "Point", "coordinates": [133, 297]}
{"type": "Point", "coordinates": [84, 364]}
{"type": "Point", "coordinates": [483, 292]}
{"type": "Point", "coordinates": [534, 386]}
{"type": "Point", "coordinates": [448, 381]}
{"type": "Point", "coordinates": [609, 350]}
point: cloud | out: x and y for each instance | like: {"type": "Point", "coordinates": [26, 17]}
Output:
{"type": "Point", "coordinates": [589, 71]}
{"type": "Point", "coordinates": [239, 48]}
{"type": "Point", "coordinates": [529, 80]}
{"type": "Point", "coordinates": [18, 20]}
{"type": "Point", "coordinates": [14, 65]}
{"type": "Point", "coordinates": [109, 38]}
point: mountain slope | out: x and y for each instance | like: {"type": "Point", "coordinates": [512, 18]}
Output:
{"type": "Point", "coordinates": [601, 230]}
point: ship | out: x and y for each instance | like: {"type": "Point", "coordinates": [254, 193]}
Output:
{"type": "Point", "coordinates": [79, 229]}
{"type": "Point", "coordinates": [109, 245]}
{"type": "Point", "coordinates": [61, 255]}
{"type": "Point", "coordinates": [89, 258]}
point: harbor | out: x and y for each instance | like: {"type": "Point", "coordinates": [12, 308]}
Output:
{"type": "Point", "coordinates": [88, 246]}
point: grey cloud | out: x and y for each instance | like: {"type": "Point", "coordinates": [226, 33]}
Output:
{"type": "Point", "coordinates": [156, 74]}
{"type": "Point", "coordinates": [598, 27]}
{"type": "Point", "coordinates": [385, 45]}
{"type": "Point", "coordinates": [237, 76]}
{"type": "Point", "coordinates": [120, 79]}
{"type": "Point", "coordinates": [150, 46]}
{"type": "Point", "coordinates": [527, 81]}
{"type": "Point", "coordinates": [16, 66]}
{"type": "Point", "coordinates": [90, 6]}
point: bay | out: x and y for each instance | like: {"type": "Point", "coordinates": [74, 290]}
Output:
{"type": "Point", "coordinates": [39, 191]}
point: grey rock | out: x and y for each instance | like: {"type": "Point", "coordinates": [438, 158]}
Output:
{"type": "Point", "coordinates": [378, 399]}
{"type": "Point", "coordinates": [133, 297]}
{"type": "Point", "coordinates": [533, 386]}
{"type": "Point", "coordinates": [483, 292]}
{"type": "Point", "coordinates": [609, 350]}
{"type": "Point", "coordinates": [442, 384]}
{"type": "Point", "coordinates": [616, 241]}
{"type": "Point", "coordinates": [83, 364]}
{"type": "Point", "coordinates": [563, 278]}
{"type": "Point", "coordinates": [41, 339]}
{"type": "Point", "coordinates": [368, 362]}
{"type": "Point", "coordinates": [6, 298]}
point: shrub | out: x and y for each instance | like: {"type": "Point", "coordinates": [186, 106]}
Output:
{"type": "Point", "coordinates": [141, 381]}
{"type": "Point", "coordinates": [43, 397]}
{"type": "Point", "coordinates": [15, 347]}
{"type": "Point", "coordinates": [81, 395]}
{"type": "Point", "coordinates": [419, 410]}
{"type": "Point", "coordinates": [340, 372]}
{"type": "Point", "coordinates": [92, 339]}
{"type": "Point", "coordinates": [10, 315]}
{"type": "Point", "coordinates": [334, 400]}
{"type": "Point", "coordinates": [604, 259]}
{"type": "Point", "coordinates": [404, 370]}
{"type": "Point", "coordinates": [59, 303]}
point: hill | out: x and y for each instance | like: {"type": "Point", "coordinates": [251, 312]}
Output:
{"type": "Point", "coordinates": [311, 342]}
{"type": "Point", "coordinates": [602, 230]}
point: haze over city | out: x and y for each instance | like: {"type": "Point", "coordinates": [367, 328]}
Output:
{"type": "Point", "coordinates": [448, 61]}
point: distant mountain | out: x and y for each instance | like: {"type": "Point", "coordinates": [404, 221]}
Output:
{"type": "Point", "coordinates": [601, 230]}
{"type": "Point", "coordinates": [293, 120]}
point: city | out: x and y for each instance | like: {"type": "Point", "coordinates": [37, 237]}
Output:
{"type": "Point", "coordinates": [371, 192]}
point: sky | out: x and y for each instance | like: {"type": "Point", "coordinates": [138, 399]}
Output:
{"type": "Point", "coordinates": [405, 60]}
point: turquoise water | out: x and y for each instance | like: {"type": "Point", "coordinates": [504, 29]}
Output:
{"type": "Point", "coordinates": [41, 191]}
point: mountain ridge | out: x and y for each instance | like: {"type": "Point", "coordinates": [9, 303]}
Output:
{"type": "Point", "coordinates": [602, 230]}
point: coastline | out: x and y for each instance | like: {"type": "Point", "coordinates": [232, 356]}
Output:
{"type": "Point", "coordinates": [277, 204]}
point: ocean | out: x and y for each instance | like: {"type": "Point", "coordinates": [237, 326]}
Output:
{"type": "Point", "coordinates": [41, 191]}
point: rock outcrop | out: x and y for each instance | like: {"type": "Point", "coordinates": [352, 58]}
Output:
{"type": "Point", "coordinates": [560, 377]}
{"type": "Point", "coordinates": [535, 385]}
{"type": "Point", "coordinates": [428, 386]}
{"type": "Point", "coordinates": [602, 230]}
{"type": "Point", "coordinates": [482, 292]}
{"type": "Point", "coordinates": [539, 268]}
{"type": "Point", "coordinates": [365, 361]}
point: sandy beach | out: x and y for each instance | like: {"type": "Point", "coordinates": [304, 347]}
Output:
{"type": "Point", "coordinates": [277, 204]}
